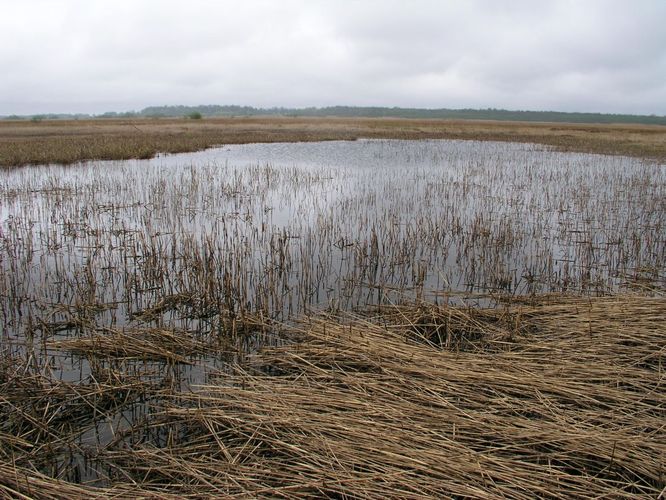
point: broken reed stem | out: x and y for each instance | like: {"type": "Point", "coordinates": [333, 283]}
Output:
{"type": "Point", "coordinates": [559, 398]}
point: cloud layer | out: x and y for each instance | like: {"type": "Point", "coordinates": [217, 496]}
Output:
{"type": "Point", "coordinates": [565, 55]}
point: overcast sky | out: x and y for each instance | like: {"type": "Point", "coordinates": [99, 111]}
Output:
{"type": "Point", "coordinates": [115, 55]}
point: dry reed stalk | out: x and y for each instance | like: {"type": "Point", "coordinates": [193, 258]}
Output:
{"type": "Point", "coordinates": [142, 343]}
{"type": "Point", "coordinates": [558, 399]}
{"type": "Point", "coordinates": [361, 410]}
{"type": "Point", "coordinates": [27, 484]}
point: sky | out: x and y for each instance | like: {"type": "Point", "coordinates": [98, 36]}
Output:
{"type": "Point", "coordinates": [92, 56]}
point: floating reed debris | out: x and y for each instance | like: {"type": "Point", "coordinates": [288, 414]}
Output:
{"type": "Point", "coordinates": [143, 343]}
{"type": "Point", "coordinates": [42, 419]}
{"type": "Point", "coordinates": [557, 397]}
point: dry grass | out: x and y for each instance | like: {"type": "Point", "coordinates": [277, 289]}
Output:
{"type": "Point", "coordinates": [141, 343]}
{"type": "Point", "coordinates": [556, 397]}
{"type": "Point", "coordinates": [70, 141]}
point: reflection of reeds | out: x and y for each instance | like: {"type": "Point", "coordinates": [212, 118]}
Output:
{"type": "Point", "coordinates": [42, 419]}
{"type": "Point", "coordinates": [560, 397]}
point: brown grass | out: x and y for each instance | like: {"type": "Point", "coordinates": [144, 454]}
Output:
{"type": "Point", "coordinates": [142, 343]}
{"type": "Point", "coordinates": [556, 397]}
{"type": "Point", "coordinates": [24, 143]}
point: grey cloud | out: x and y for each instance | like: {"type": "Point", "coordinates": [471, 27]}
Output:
{"type": "Point", "coordinates": [77, 55]}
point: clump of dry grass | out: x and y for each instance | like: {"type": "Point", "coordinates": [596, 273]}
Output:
{"type": "Point", "coordinates": [142, 343]}
{"type": "Point", "coordinates": [560, 397]}
{"type": "Point", "coordinates": [41, 418]}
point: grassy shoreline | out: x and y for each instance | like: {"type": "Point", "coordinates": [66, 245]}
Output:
{"type": "Point", "coordinates": [24, 143]}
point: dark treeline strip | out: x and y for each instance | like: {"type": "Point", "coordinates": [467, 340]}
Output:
{"type": "Point", "coordinates": [368, 112]}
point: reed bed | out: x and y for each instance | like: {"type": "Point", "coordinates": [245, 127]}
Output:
{"type": "Point", "coordinates": [239, 236]}
{"type": "Point", "coordinates": [552, 397]}
{"type": "Point", "coordinates": [24, 143]}
{"type": "Point", "coordinates": [282, 320]}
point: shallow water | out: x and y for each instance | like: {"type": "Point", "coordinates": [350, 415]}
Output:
{"type": "Point", "coordinates": [213, 244]}
{"type": "Point", "coordinates": [348, 219]}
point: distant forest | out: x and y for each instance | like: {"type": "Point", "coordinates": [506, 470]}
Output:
{"type": "Point", "coordinates": [369, 112]}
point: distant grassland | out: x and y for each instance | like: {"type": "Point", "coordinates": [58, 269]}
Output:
{"type": "Point", "coordinates": [23, 142]}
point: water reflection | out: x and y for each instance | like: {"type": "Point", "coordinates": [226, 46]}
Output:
{"type": "Point", "coordinates": [158, 273]}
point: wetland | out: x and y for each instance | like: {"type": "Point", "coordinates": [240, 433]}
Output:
{"type": "Point", "coordinates": [247, 309]}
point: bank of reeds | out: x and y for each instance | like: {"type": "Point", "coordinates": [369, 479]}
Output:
{"type": "Point", "coordinates": [24, 143]}
{"type": "Point", "coordinates": [554, 397]}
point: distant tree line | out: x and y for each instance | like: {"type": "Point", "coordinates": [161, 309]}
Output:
{"type": "Point", "coordinates": [212, 110]}
{"type": "Point", "coordinates": [395, 112]}
{"type": "Point", "coordinates": [48, 116]}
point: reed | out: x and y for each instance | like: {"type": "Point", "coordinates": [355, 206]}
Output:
{"type": "Point", "coordinates": [561, 397]}
{"type": "Point", "coordinates": [44, 142]}
{"type": "Point", "coordinates": [343, 319]}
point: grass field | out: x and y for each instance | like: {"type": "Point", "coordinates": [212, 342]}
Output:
{"type": "Point", "coordinates": [24, 143]}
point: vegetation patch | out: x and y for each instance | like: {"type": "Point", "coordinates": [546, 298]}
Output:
{"type": "Point", "coordinates": [62, 141]}
{"type": "Point", "coordinates": [552, 402]}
